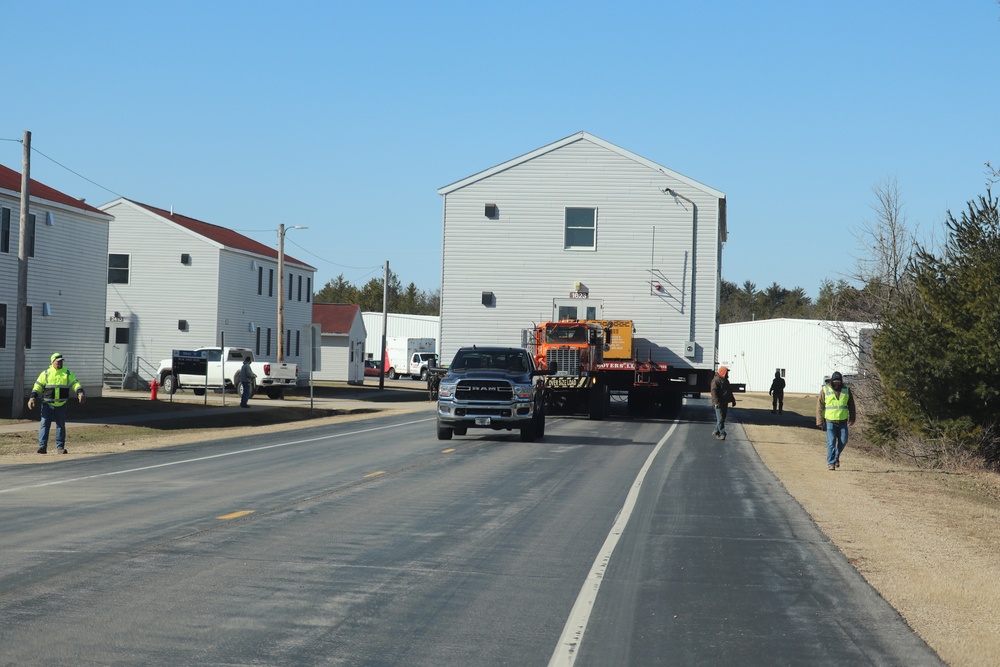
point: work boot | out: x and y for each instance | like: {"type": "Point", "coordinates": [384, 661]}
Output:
{"type": "Point", "coordinates": [61, 450]}
{"type": "Point", "coordinates": [43, 450]}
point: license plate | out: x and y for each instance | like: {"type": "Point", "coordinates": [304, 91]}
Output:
{"type": "Point", "coordinates": [482, 421]}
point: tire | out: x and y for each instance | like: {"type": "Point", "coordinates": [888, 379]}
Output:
{"type": "Point", "coordinates": [444, 433]}
{"type": "Point", "coordinates": [392, 374]}
{"type": "Point", "coordinates": [423, 375]}
{"type": "Point", "coordinates": [597, 402]}
{"type": "Point", "coordinates": [239, 390]}
{"type": "Point", "coordinates": [461, 430]}
{"type": "Point", "coordinates": [200, 391]}
{"type": "Point", "coordinates": [540, 425]}
{"type": "Point", "coordinates": [275, 394]}
{"type": "Point", "coordinates": [169, 384]}
{"type": "Point", "coordinates": [529, 432]}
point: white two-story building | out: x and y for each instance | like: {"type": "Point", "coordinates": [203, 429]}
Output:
{"type": "Point", "coordinates": [67, 254]}
{"type": "Point", "coordinates": [177, 283]}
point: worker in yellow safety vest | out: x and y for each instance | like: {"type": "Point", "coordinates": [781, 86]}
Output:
{"type": "Point", "coordinates": [834, 413]}
{"type": "Point", "coordinates": [53, 387]}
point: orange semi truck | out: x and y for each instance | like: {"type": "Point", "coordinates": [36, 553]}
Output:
{"type": "Point", "coordinates": [597, 358]}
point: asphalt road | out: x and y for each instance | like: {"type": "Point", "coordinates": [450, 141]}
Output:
{"type": "Point", "coordinates": [625, 542]}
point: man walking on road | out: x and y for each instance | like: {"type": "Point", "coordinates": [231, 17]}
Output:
{"type": "Point", "coordinates": [53, 387]}
{"type": "Point", "coordinates": [722, 396]}
{"type": "Point", "coordinates": [835, 412]}
{"type": "Point", "coordinates": [247, 376]}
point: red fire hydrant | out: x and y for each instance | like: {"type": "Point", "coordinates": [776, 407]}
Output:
{"type": "Point", "coordinates": [153, 386]}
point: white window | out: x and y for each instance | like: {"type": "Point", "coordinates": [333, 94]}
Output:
{"type": "Point", "coordinates": [581, 229]}
{"type": "Point", "coordinates": [118, 269]}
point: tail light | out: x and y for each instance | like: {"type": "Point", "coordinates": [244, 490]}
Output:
{"type": "Point", "coordinates": [267, 369]}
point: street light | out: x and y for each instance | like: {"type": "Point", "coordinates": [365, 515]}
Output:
{"type": "Point", "coordinates": [281, 289]}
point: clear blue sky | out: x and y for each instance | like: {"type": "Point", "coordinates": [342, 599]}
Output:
{"type": "Point", "coordinates": [347, 117]}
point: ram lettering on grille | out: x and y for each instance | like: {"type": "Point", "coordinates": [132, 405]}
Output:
{"type": "Point", "coordinates": [479, 390]}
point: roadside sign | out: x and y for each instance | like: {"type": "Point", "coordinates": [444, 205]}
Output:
{"type": "Point", "coordinates": [190, 362]}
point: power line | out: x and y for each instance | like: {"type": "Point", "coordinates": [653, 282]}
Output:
{"type": "Point", "coordinates": [343, 266]}
{"type": "Point", "coordinates": [35, 150]}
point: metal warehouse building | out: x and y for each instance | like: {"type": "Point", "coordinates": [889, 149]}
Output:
{"type": "Point", "coordinates": [804, 351]}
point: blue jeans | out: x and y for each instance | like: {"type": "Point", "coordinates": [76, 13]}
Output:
{"type": "Point", "coordinates": [720, 420]}
{"type": "Point", "coordinates": [836, 440]}
{"type": "Point", "coordinates": [51, 413]}
{"type": "Point", "coordinates": [247, 390]}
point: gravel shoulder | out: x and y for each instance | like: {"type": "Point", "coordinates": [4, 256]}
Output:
{"type": "Point", "coordinates": [926, 540]}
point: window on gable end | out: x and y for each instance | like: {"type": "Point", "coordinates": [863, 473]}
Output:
{"type": "Point", "coordinates": [580, 229]}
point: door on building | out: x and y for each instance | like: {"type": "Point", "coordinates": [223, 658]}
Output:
{"type": "Point", "coordinates": [577, 309]}
{"type": "Point", "coordinates": [117, 345]}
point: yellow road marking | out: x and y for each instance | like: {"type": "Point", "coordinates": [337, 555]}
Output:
{"type": "Point", "coordinates": [375, 474]}
{"type": "Point", "coordinates": [447, 451]}
{"type": "Point", "coordinates": [235, 515]}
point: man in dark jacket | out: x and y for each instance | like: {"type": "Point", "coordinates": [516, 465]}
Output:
{"type": "Point", "coordinates": [722, 396]}
{"type": "Point", "coordinates": [777, 392]}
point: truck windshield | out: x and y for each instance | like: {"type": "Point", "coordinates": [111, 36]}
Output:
{"type": "Point", "coordinates": [566, 334]}
{"type": "Point", "coordinates": [498, 360]}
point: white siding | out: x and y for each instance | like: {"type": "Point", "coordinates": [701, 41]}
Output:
{"type": "Point", "coordinates": [215, 292]}
{"type": "Point", "coordinates": [643, 234]}
{"type": "Point", "coordinates": [69, 272]}
{"type": "Point", "coordinates": [161, 291]}
{"type": "Point", "coordinates": [410, 326]}
{"type": "Point", "coordinates": [808, 350]}
{"type": "Point", "coordinates": [337, 363]}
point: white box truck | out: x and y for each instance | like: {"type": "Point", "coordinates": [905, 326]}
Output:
{"type": "Point", "coordinates": [409, 356]}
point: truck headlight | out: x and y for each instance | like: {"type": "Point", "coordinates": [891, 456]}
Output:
{"type": "Point", "coordinates": [523, 391]}
{"type": "Point", "coordinates": [446, 390]}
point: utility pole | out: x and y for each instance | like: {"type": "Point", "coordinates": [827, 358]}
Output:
{"type": "Point", "coordinates": [281, 289]}
{"type": "Point", "coordinates": [281, 293]}
{"type": "Point", "coordinates": [385, 324]}
{"type": "Point", "coordinates": [20, 338]}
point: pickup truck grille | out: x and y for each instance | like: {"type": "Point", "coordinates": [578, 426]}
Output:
{"type": "Point", "coordinates": [568, 360]}
{"type": "Point", "coordinates": [484, 390]}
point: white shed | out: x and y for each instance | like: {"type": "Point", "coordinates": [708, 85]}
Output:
{"type": "Point", "coordinates": [583, 229]}
{"type": "Point", "coordinates": [805, 352]}
{"type": "Point", "coordinates": [399, 324]}
{"type": "Point", "coordinates": [67, 254]}
{"type": "Point", "coordinates": [342, 333]}
{"type": "Point", "coordinates": [174, 282]}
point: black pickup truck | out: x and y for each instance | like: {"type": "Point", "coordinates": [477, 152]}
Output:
{"type": "Point", "coordinates": [490, 387]}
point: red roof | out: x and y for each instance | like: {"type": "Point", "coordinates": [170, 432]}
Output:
{"type": "Point", "coordinates": [335, 318]}
{"type": "Point", "coordinates": [11, 180]}
{"type": "Point", "coordinates": [226, 237]}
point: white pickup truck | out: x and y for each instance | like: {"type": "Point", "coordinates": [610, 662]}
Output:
{"type": "Point", "coordinates": [223, 365]}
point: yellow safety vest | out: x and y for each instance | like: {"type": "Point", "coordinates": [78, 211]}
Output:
{"type": "Point", "coordinates": [836, 406]}
{"type": "Point", "coordinates": [54, 386]}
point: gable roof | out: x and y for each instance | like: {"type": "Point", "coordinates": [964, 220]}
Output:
{"type": "Point", "coordinates": [220, 235]}
{"type": "Point", "coordinates": [11, 180]}
{"type": "Point", "coordinates": [573, 138]}
{"type": "Point", "coordinates": [335, 318]}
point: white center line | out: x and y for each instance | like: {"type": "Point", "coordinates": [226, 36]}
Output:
{"type": "Point", "coordinates": [572, 635]}
{"type": "Point", "coordinates": [206, 458]}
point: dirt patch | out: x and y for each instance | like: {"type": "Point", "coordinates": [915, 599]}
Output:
{"type": "Point", "coordinates": [925, 540]}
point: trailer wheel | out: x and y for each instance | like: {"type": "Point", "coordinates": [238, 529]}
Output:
{"type": "Point", "coordinates": [598, 399]}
